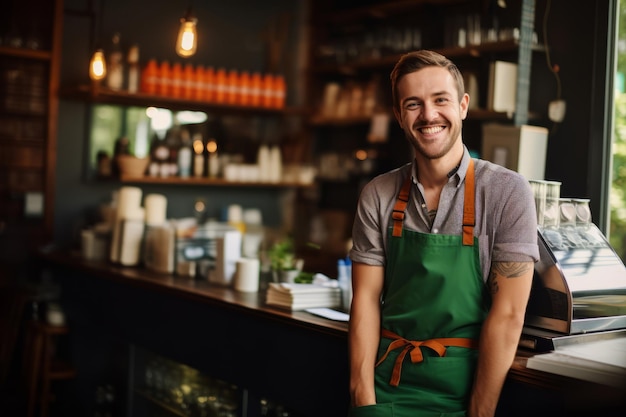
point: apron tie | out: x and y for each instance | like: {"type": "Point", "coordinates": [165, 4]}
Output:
{"type": "Point", "coordinates": [438, 345]}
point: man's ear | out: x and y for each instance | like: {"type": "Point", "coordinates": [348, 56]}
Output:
{"type": "Point", "coordinates": [464, 104]}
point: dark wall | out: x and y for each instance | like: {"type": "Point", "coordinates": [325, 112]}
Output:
{"type": "Point", "coordinates": [580, 41]}
{"type": "Point", "coordinates": [231, 35]}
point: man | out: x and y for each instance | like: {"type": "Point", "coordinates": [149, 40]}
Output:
{"type": "Point", "coordinates": [443, 257]}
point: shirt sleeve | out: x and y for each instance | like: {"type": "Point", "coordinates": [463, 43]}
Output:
{"type": "Point", "coordinates": [368, 228]}
{"type": "Point", "coordinates": [515, 239]}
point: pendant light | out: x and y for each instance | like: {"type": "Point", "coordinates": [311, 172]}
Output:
{"type": "Point", "coordinates": [187, 40]}
{"type": "Point", "coordinates": [97, 64]}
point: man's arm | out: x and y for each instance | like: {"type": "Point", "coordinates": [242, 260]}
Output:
{"type": "Point", "coordinates": [364, 331]}
{"type": "Point", "coordinates": [509, 284]}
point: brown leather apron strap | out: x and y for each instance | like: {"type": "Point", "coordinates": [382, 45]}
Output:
{"type": "Point", "coordinates": [400, 207]}
{"type": "Point", "coordinates": [468, 206]}
{"type": "Point", "coordinates": [437, 345]}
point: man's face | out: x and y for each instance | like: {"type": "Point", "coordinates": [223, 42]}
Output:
{"type": "Point", "coordinates": [430, 112]}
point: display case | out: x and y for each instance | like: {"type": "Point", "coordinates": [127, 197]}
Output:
{"type": "Point", "coordinates": [163, 387]}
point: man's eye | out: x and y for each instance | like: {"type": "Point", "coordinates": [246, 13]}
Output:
{"type": "Point", "coordinates": [410, 105]}
{"type": "Point", "coordinates": [442, 100]}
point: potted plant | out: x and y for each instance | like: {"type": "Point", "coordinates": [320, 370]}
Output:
{"type": "Point", "coordinates": [285, 266]}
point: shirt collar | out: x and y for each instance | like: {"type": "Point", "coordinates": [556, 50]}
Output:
{"type": "Point", "coordinates": [457, 176]}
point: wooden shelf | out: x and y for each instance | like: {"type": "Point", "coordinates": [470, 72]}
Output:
{"type": "Point", "coordinates": [99, 94]}
{"type": "Point", "coordinates": [387, 62]}
{"type": "Point", "coordinates": [26, 53]}
{"type": "Point", "coordinates": [214, 182]}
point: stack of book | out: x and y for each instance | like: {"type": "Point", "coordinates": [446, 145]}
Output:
{"type": "Point", "coordinates": [302, 296]}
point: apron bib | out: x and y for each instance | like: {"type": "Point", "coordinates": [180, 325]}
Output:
{"type": "Point", "coordinates": [433, 306]}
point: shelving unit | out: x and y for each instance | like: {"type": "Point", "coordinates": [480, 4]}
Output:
{"type": "Point", "coordinates": [96, 94]}
{"type": "Point", "coordinates": [353, 47]}
{"type": "Point", "coordinates": [29, 77]}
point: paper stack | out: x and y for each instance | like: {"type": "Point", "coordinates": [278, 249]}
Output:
{"type": "Point", "coordinates": [302, 296]}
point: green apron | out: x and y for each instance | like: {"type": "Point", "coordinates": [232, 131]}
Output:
{"type": "Point", "coordinates": [433, 306]}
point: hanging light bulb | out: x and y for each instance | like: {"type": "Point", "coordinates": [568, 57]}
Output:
{"type": "Point", "coordinates": [187, 35]}
{"type": "Point", "coordinates": [97, 65]}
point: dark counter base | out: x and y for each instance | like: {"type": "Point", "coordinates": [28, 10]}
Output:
{"type": "Point", "coordinates": [295, 358]}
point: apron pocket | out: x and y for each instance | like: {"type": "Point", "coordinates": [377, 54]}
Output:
{"type": "Point", "coordinates": [374, 410]}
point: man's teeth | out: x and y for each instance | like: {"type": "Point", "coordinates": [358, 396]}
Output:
{"type": "Point", "coordinates": [431, 130]}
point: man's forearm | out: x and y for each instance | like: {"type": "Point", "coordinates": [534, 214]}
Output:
{"type": "Point", "coordinates": [363, 339]}
{"type": "Point", "coordinates": [498, 344]}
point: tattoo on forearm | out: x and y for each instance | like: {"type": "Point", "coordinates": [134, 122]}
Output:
{"type": "Point", "coordinates": [511, 269]}
{"type": "Point", "coordinates": [507, 270]}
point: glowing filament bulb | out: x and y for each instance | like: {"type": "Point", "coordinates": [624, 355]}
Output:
{"type": "Point", "coordinates": [187, 37]}
{"type": "Point", "coordinates": [97, 66]}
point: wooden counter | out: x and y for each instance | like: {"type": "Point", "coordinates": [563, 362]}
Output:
{"type": "Point", "coordinates": [294, 357]}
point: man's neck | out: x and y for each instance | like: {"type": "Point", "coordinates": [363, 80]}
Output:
{"type": "Point", "coordinates": [434, 173]}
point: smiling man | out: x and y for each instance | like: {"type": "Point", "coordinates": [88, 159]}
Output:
{"type": "Point", "coordinates": [443, 259]}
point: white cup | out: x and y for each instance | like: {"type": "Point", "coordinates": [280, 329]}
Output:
{"type": "Point", "coordinates": [247, 275]}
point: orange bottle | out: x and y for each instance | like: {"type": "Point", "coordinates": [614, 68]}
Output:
{"type": "Point", "coordinates": [267, 91]}
{"type": "Point", "coordinates": [232, 87]}
{"type": "Point", "coordinates": [280, 92]}
{"type": "Point", "coordinates": [149, 77]}
{"type": "Point", "coordinates": [255, 89]}
{"type": "Point", "coordinates": [176, 89]}
{"type": "Point", "coordinates": [164, 80]}
{"type": "Point", "coordinates": [209, 85]}
{"type": "Point", "coordinates": [198, 84]}
{"type": "Point", "coordinates": [188, 80]}
{"type": "Point", "coordinates": [220, 86]}
{"type": "Point", "coordinates": [243, 93]}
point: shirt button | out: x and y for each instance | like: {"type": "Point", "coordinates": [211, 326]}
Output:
{"type": "Point", "coordinates": [435, 231]}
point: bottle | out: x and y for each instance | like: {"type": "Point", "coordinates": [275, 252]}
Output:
{"type": "Point", "coordinates": [263, 162]}
{"type": "Point", "coordinates": [176, 89]}
{"type": "Point", "coordinates": [149, 77]}
{"type": "Point", "coordinates": [198, 155]}
{"type": "Point", "coordinates": [188, 80]}
{"type": "Point", "coordinates": [208, 85]}
{"type": "Point", "coordinates": [115, 64]}
{"type": "Point", "coordinates": [220, 86]}
{"type": "Point", "coordinates": [344, 278]}
{"type": "Point", "coordinates": [184, 154]}
{"type": "Point", "coordinates": [133, 69]}
{"type": "Point", "coordinates": [267, 91]}
{"type": "Point", "coordinates": [213, 162]}
{"type": "Point", "coordinates": [164, 81]}
{"type": "Point", "coordinates": [276, 164]}
{"type": "Point", "coordinates": [243, 96]}
{"type": "Point", "coordinates": [198, 86]}
{"type": "Point", "coordinates": [159, 157]}
{"type": "Point", "coordinates": [255, 89]}
{"type": "Point", "coordinates": [280, 92]}
{"type": "Point", "coordinates": [232, 87]}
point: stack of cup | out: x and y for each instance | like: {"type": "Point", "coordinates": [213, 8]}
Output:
{"type": "Point", "coordinates": [547, 195]}
{"type": "Point", "coordinates": [247, 275]}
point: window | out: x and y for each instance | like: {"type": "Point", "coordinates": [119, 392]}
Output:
{"type": "Point", "coordinates": [617, 194]}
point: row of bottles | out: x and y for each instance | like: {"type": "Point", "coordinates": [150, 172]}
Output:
{"type": "Point", "coordinates": [186, 81]}
{"type": "Point", "coordinates": [186, 154]}
{"type": "Point", "coordinates": [220, 86]}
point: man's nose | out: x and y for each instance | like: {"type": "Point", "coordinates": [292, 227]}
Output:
{"type": "Point", "coordinates": [429, 111]}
